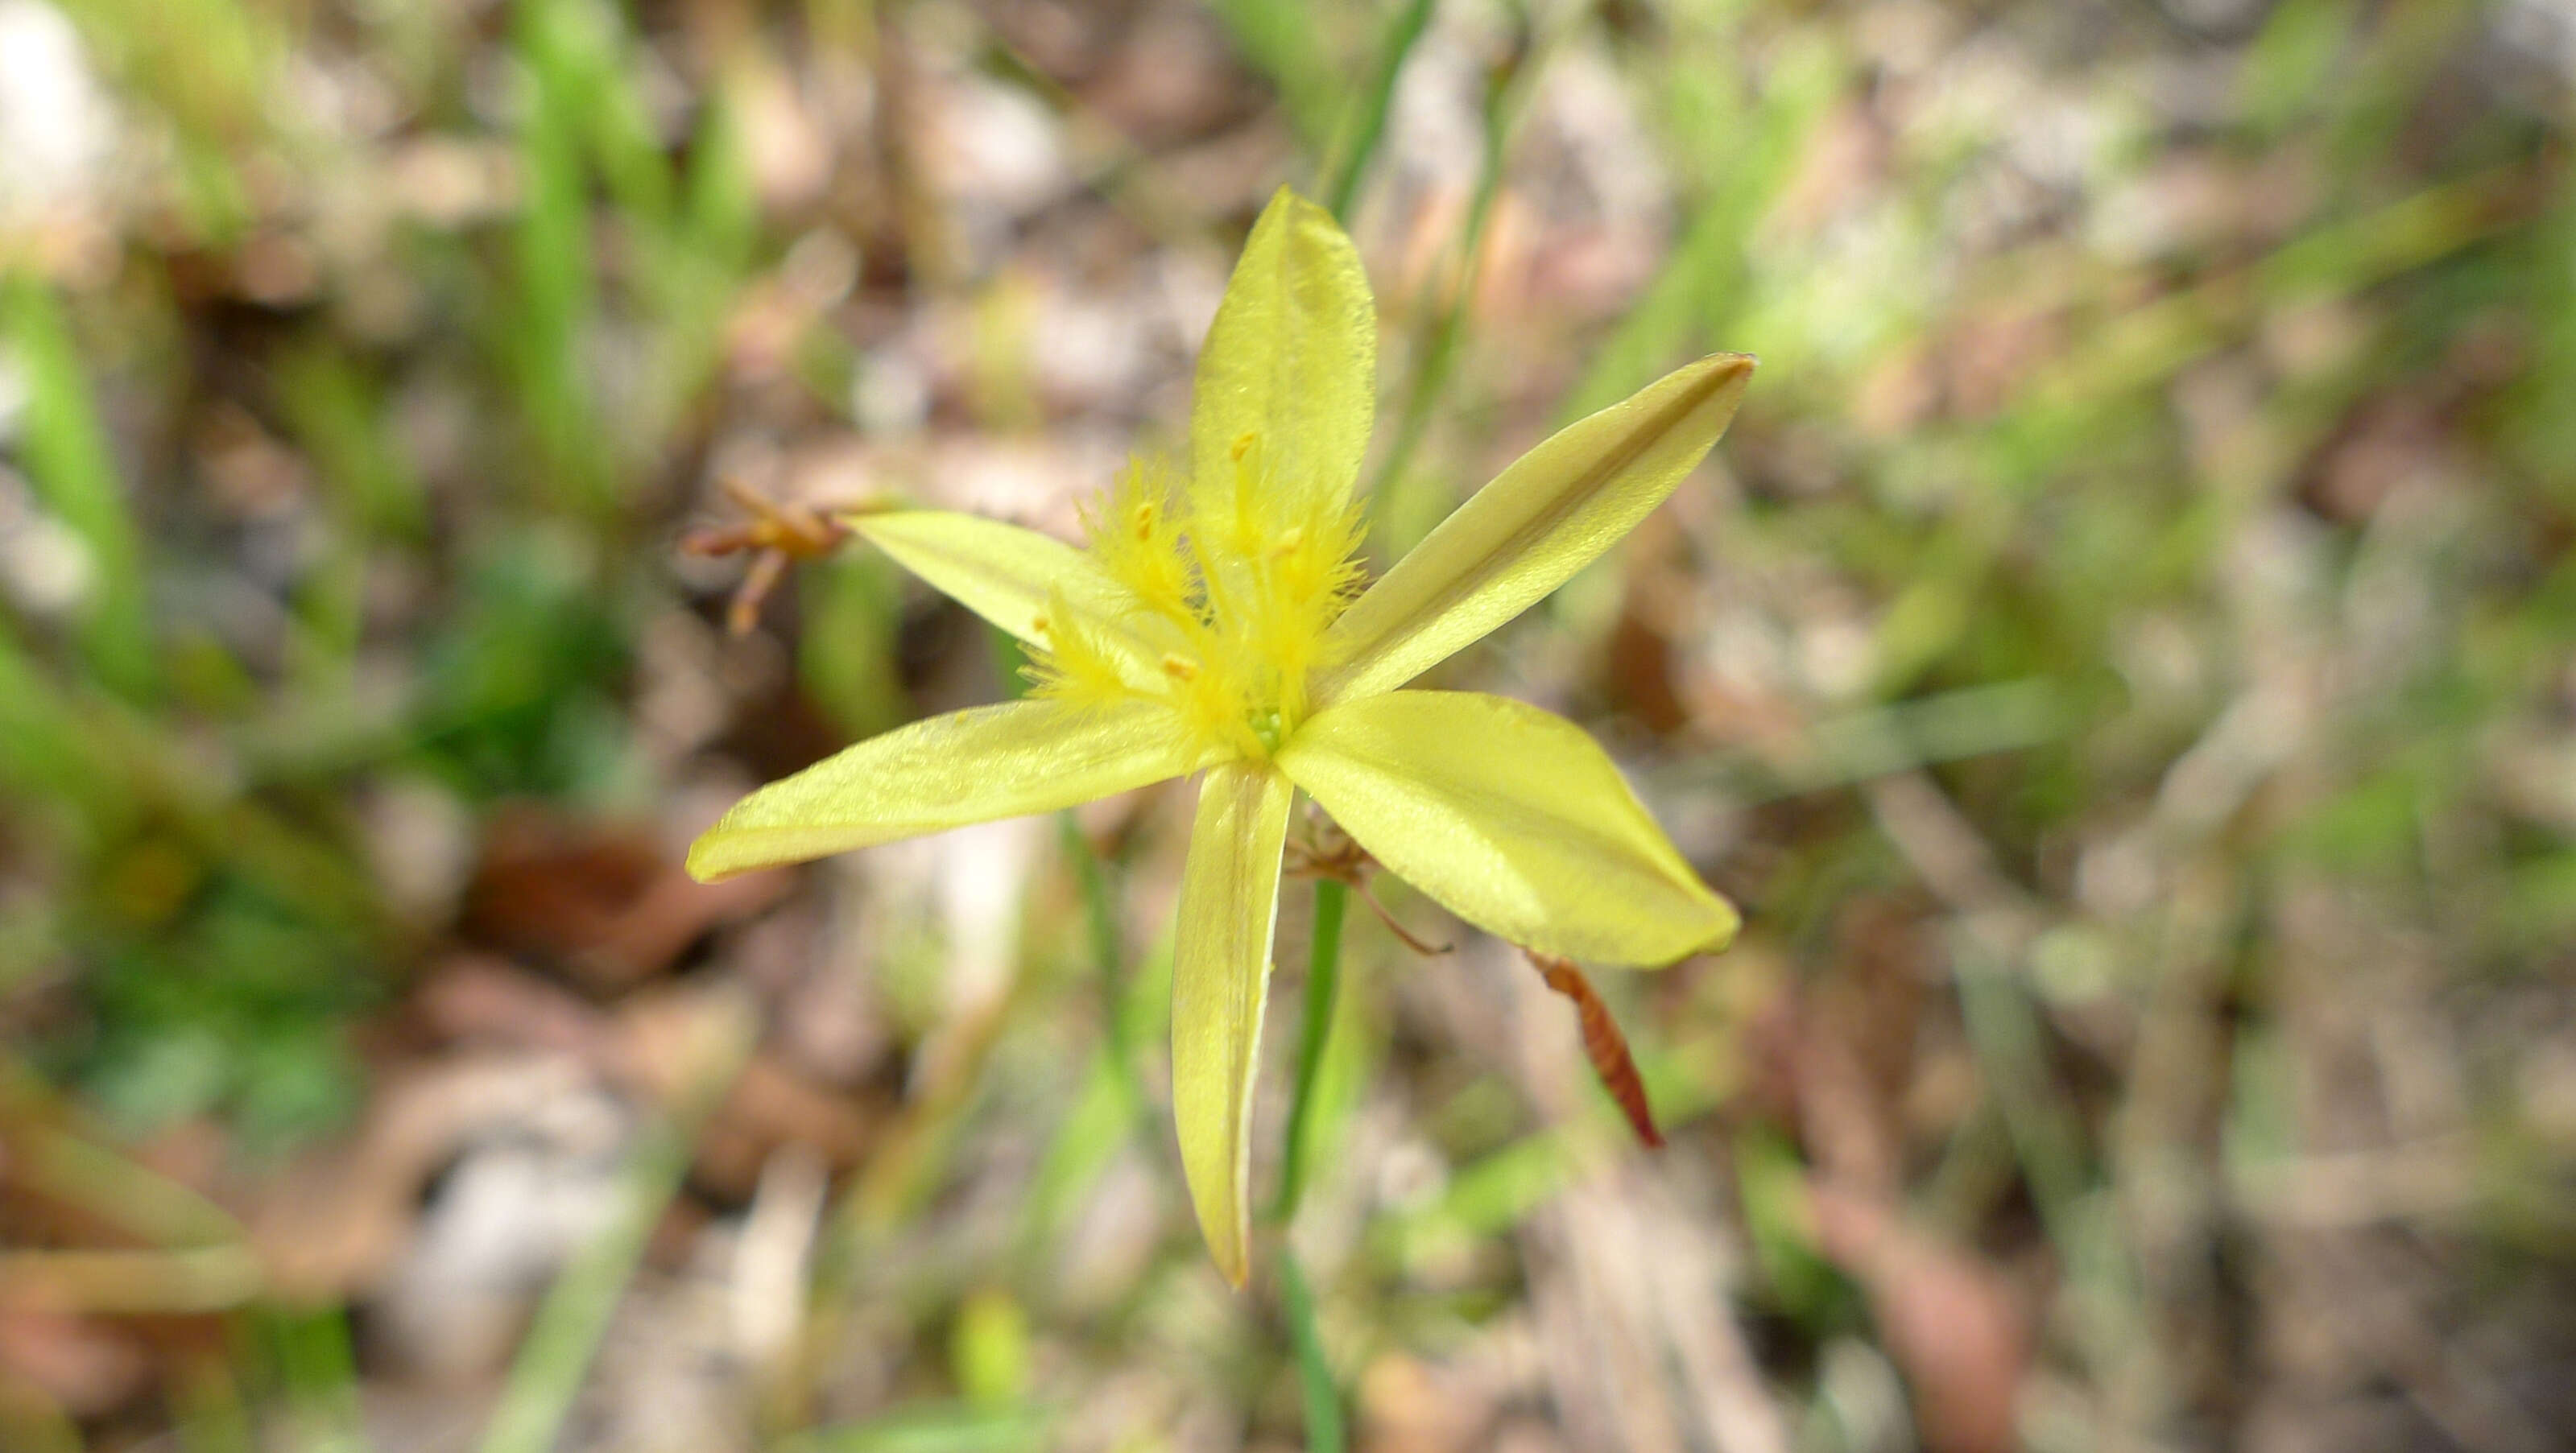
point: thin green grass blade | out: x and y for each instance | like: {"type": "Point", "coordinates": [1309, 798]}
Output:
{"type": "Point", "coordinates": [46, 751]}
{"type": "Point", "coordinates": [318, 1365]}
{"type": "Point", "coordinates": [1443, 325]}
{"type": "Point", "coordinates": [1367, 126]}
{"type": "Point", "coordinates": [208, 1411]}
{"type": "Point", "coordinates": [845, 655]}
{"type": "Point", "coordinates": [338, 414]}
{"type": "Point", "coordinates": [2286, 69]}
{"type": "Point", "coordinates": [1278, 37]}
{"type": "Point", "coordinates": [1485, 1198]}
{"type": "Point", "coordinates": [1699, 284]}
{"type": "Point", "coordinates": [1407, 515]}
{"type": "Point", "coordinates": [1323, 1400]}
{"type": "Point", "coordinates": [565, 1336]}
{"type": "Point", "coordinates": [1112, 1104]}
{"type": "Point", "coordinates": [555, 301]}
{"type": "Point", "coordinates": [1108, 955]}
{"type": "Point", "coordinates": [64, 448]}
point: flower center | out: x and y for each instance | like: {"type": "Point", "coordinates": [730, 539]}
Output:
{"type": "Point", "coordinates": [1236, 580]}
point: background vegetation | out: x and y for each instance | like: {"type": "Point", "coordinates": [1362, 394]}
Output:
{"type": "Point", "coordinates": [2121, 661]}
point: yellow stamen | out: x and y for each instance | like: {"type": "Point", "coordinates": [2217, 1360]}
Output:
{"type": "Point", "coordinates": [1237, 580]}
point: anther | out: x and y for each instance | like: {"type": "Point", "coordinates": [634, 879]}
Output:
{"type": "Point", "coordinates": [1180, 668]}
{"type": "Point", "coordinates": [1243, 446]}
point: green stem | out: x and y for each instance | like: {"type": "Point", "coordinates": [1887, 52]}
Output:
{"type": "Point", "coordinates": [1324, 1431]}
{"type": "Point", "coordinates": [1323, 986]}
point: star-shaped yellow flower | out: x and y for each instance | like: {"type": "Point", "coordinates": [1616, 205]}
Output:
{"type": "Point", "coordinates": [1217, 625]}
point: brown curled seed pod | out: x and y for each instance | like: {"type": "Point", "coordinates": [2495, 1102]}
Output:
{"type": "Point", "coordinates": [1603, 1044]}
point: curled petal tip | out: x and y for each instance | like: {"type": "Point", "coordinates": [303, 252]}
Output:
{"type": "Point", "coordinates": [1729, 922]}
{"type": "Point", "coordinates": [699, 865]}
{"type": "Point", "coordinates": [1235, 1269]}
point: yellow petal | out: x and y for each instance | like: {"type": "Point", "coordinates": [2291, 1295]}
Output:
{"type": "Point", "coordinates": [1007, 575]}
{"type": "Point", "coordinates": [967, 766]}
{"type": "Point", "coordinates": [1291, 359]}
{"type": "Point", "coordinates": [1220, 978]}
{"type": "Point", "coordinates": [1510, 818]}
{"type": "Point", "coordinates": [1550, 514]}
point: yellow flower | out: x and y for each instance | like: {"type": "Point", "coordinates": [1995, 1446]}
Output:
{"type": "Point", "coordinates": [1216, 624]}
